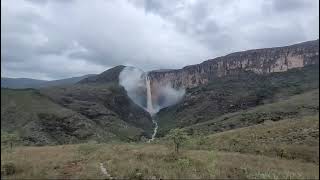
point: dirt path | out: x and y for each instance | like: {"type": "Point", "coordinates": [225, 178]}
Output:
{"type": "Point", "coordinates": [104, 171]}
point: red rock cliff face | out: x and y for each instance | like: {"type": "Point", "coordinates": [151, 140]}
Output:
{"type": "Point", "coordinates": [261, 61]}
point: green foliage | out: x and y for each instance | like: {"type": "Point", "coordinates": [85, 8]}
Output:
{"type": "Point", "coordinates": [272, 175]}
{"type": "Point", "coordinates": [297, 106]}
{"type": "Point", "coordinates": [9, 139]}
{"type": "Point", "coordinates": [286, 139]}
{"type": "Point", "coordinates": [136, 174]}
{"type": "Point", "coordinates": [8, 168]}
{"type": "Point", "coordinates": [183, 163]}
{"type": "Point", "coordinates": [64, 118]}
{"type": "Point", "coordinates": [235, 93]}
{"type": "Point", "coordinates": [178, 136]}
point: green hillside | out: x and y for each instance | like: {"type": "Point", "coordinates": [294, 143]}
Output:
{"type": "Point", "coordinates": [287, 139]}
{"type": "Point", "coordinates": [295, 107]}
{"type": "Point", "coordinates": [38, 120]}
{"type": "Point", "coordinates": [235, 93]}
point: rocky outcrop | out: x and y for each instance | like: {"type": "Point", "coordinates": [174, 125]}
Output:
{"type": "Point", "coordinates": [260, 61]}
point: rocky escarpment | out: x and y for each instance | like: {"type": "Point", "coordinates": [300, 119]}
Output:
{"type": "Point", "coordinates": [260, 61]}
{"type": "Point", "coordinates": [241, 92]}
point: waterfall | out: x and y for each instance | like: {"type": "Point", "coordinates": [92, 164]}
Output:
{"type": "Point", "coordinates": [138, 85]}
{"type": "Point", "coordinates": [149, 97]}
{"type": "Point", "coordinates": [150, 108]}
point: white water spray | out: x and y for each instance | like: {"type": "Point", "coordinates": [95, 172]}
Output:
{"type": "Point", "coordinates": [150, 108]}
{"type": "Point", "coordinates": [136, 82]}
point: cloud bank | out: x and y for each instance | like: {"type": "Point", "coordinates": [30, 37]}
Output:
{"type": "Point", "coordinates": [53, 39]}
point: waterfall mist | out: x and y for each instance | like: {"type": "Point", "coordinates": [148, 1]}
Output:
{"type": "Point", "coordinates": [168, 96]}
{"type": "Point", "coordinates": [132, 79]}
{"type": "Point", "coordinates": [137, 84]}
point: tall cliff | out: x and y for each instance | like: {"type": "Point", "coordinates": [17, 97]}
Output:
{"type": "Point", "coordinates": [260, 61]}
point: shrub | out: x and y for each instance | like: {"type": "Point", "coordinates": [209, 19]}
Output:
{"type": "Point", "coordinates": [9, 139]}
{"type": "Point", "coordinates": [136, 174]}
{"type": "Point", "coordinates": [178, 136]}
{"type": "Point", "coordinates": [183, 163]}
{"type": "Point", "coordinates": [8, 169]}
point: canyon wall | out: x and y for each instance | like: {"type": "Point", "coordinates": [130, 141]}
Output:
{"type": "Point", "coordinates": [261, 61]}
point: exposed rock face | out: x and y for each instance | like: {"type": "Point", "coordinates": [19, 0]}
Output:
{"type": "Point", "coordinates": [239, 93]}
{"type": "Point", "coordinates": [260, 61]}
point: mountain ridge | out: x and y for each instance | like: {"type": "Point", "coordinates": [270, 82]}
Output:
{"type": "Point", "coordinates": [261, 61]}
{"type": "Point", "coordinates": [100, 100]}
{"type": "Point", "coordinates": [21, 83]}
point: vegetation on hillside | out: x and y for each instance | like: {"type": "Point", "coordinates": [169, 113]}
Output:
{"type": "Point", "coordinates": [37, 120]}
{"type": "Point", "coordinates": [178, 136]}
{"type": "Point", "coordinates": [296, 138]}
{"type": "Point", "coordinates": [238, 127]}
{"type": "Point", "coordinates": [9, 140]}
{"type": "Point", "coordinates": [295, 107]}
{"type": "Point", "coordinates": [103, 103]}
{"type": "Point", "coordinates": [235, 93]}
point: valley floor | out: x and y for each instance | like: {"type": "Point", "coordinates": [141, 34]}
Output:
{"type": "Point", "coordinates": [286, 149]}
{"type": "Point", "coordinates": [155, 161]}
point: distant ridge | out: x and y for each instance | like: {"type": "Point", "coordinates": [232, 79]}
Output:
{"type": "Point", "coordinates": [22, 83]}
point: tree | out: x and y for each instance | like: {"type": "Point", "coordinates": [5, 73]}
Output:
{"type": "Point", "coordinates": [178, 136]}
{"type": "Point", "coordinates": [7, 138]}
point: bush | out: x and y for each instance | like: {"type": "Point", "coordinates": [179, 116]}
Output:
{"type": "Point", "coordinates": [183, 163]}
{"type": "Point", "coordinates": [178, 136]}
{"type": "Point", "coordinates": [8, 139]}
{"type": "Point", "coordinates": [136, 174]}
{"type": "Point", "coordinates": [8, 169]}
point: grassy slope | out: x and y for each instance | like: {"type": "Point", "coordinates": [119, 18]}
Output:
{"type": "Point", "coordinates": [38, 120]}
{"type": "Point", "coordinates": [234, 93]}
{"type": "Point", "coordinates": [23, 103]}
{"type": "Point", "coordinates": [294, 107]}
{"type": "Point", "coordinates": [272, 149]}
{"type": "Point", "coordinates": [102, 102]}
{"type": "Point", "coordinates": [147, 161]}
{"type": "Point", "coordinates": [286, 149]}
{"type": "Point", "coordinates": [289, 139]}
{"type": "Point", "coordinates": [296, 136]}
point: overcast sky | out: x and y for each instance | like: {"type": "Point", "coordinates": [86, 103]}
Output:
{"type": "Point", "coordinates": [53, 39]}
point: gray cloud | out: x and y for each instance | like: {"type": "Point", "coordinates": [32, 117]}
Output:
{"type": "Point", "coordinates": [56, 39]}
{"type": "Point", "coordinates": [291, 5]}
{"type": "Point", "coordinates": [44, 2]}
{"type": "Point", "coordinates": [225, 26]}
